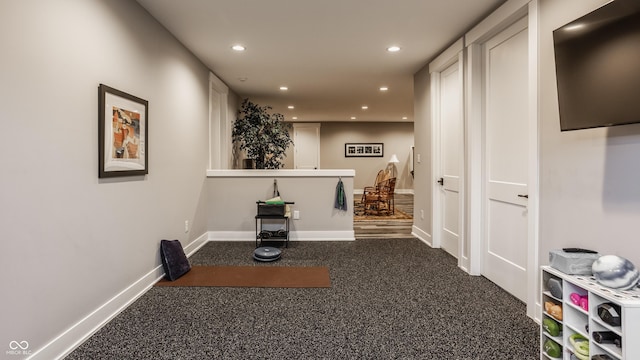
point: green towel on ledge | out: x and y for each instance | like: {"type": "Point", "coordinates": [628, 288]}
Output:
{"type": "Point", "coordinates": [275, 201]}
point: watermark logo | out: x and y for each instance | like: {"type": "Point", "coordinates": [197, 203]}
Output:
{"type": "Point", "coordinates": [18, 348]}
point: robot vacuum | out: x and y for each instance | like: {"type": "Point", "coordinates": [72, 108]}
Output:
{"type": "Point", "coordinates": [266, 254]}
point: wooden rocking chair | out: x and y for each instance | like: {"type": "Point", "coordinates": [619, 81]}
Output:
{"type": "Point", "coordinates": [380, 200]}
{"type": "Point", "coordinates": [382, 176]}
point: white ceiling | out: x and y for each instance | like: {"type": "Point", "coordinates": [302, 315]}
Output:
{"type": "Point", "coordinates": [330, 53]}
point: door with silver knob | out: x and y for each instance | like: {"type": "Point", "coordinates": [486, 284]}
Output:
{"type": "Point", "coordinates": [448, 204]}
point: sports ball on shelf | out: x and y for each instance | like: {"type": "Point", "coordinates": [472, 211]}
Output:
{"type": "Point", "coordinates": [615, 272]}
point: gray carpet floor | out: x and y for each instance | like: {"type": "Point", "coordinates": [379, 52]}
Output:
{"type": "Point", "coordinates": [389, 299]}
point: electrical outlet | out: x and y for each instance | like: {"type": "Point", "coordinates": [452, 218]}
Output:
{"type": "Point", "coordinates": [186, 226]}
{"type": "Point", "coordinates": [418, 158]}
{"type": "Point", "coordinates": [421, 214]}
{"type": "Point", "coordinates": [296, 214]}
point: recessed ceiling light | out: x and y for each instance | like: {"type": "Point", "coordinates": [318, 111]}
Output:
{"type": "Point", "coordinates": [393, 48]}
{"type": "Point", "coordinates": [404, 118]}
{"type": "Point", "coordinates": [295, 118]}
{"type": "Point", "coordinates": [364, 107]}
{"type": "Point", "coordinates": [353, 118]}
{"type": "Point", "coordinates": [238, 47]}
{"type": "Point", "coordinates": [284, 88]}
{"type": "Point", "coordinates": [290, 107]}
{"type": "Point", "coordinates": [384, 88]}
{"type": "Point", "coordinates": [243, 79]}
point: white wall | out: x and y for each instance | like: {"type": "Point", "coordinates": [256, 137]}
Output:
{"type": "Point", "coordinates": [590, 179]}
{"type": "Point", "coordinates": [72, 242]}
{"type": "Point", "coordinates": [423, 181]}
{"type": "Point", "coordinates": [396, 137]}
{"type": "Point", "coordinates": [233, 195]}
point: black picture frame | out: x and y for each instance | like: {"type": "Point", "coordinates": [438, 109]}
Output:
{"type": "Point", "coordinates": [363, 149]}
{"type": "Point", "coordinates": [122, 142]}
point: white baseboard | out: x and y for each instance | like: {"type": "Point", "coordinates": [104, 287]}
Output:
{"type": "Point", "coordinates": [232, 236]}
{"type": "Point", "coordinates": [421, 235]}
{"type": "Point", "coordinates": [538, 311]}
{"type": "Point", "coordinates": [347, 235]}
{"type": "Point", "coordinates": [78, 333]}
{"type": "Point", "coordinates": [195, 245]}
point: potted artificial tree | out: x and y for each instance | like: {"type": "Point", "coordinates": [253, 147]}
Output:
{"type": "Point", "coordinates": [264, 136]}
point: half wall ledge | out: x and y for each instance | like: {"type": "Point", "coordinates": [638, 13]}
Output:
{"type": "Point", "coordinates": [232, 196]}
{"type": "Point", "coordinates": [282, 173]}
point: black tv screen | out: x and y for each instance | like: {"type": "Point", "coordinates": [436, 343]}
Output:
{"type": "Point", "coordinates": [598, 67]}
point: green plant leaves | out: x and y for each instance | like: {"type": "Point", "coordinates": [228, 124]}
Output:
{"type": "Point", "coordinates": [263, 136]}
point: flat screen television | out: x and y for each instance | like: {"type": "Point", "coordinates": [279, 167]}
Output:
{"type": "Point", "coordinates": [598, 67]}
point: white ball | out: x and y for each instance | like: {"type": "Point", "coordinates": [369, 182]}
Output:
{"type": "Point", "coordinates": [615, 272]}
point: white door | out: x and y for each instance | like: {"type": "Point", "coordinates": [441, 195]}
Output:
{"type": "Point", "coordinates": [451, 136]}
{"type": "Point", "coordinates": [306, 143]}
{"type": "Point", "coordinates": [506, 160]}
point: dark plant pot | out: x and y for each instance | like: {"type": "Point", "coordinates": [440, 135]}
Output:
{"type": "Point", "coordinates": [248, 164]}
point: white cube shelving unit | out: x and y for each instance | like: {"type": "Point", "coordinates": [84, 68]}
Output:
{"type": "Point", "coordinates": [586, 322]}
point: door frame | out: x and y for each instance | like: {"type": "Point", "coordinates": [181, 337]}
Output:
{"type": "Point", "coordinates": [502, 18]}
{"type": "Point", "coordinates": [445, 60]}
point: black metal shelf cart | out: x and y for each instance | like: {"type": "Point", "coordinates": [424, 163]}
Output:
{"type": "Point", "coordinates": [266, 211]}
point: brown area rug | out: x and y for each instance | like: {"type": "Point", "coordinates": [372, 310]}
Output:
{"type": "Point", "coordinates": [358, 214]}
{"type": "Point", "coordinates": [254, 276]}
